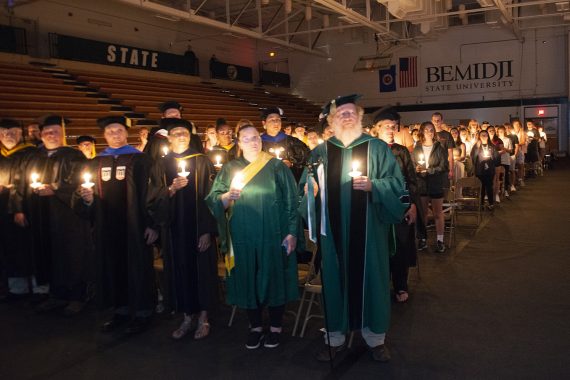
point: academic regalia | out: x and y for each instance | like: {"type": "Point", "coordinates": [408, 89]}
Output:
{"type": "Point", "coordinates": [356, 235]}
{"type": "Point", "coordinates": [406, 255]}
{"type": "Point", "coordinates": [15, 250]}
{"type": "Point", "coordinates": [60, 238]}
{"type": "Point", "coordinates": [192, 275]}
{"type": "Point", "coordinates": [292, 149]}
{"type": "Point", "coordinates": [226, 153]}
{"type": "Point", "coordinates": [258, 222]}
{"type": "Point", "coordinates": [122, 209]}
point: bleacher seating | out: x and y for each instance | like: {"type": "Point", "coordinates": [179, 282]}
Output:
{"type": "Point", "coordinates": [30, 91]}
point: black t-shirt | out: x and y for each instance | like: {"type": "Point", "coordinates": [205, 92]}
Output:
{"type": "Point", "coordinates": [514, 140]}
{"type": "Point", "coordinates": [446, 140]}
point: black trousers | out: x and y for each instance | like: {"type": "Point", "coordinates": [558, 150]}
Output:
{"type": "Point", "coordinates": [275, 316]}
{"type": "Point", "coordinates": [487, 188]}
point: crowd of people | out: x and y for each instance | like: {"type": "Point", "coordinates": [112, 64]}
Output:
{"type": "Point", "coordinates": [78, 225]}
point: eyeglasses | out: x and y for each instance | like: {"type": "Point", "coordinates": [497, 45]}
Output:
{"type": "Point", "coordinates": [247, 140]}
{"type": "Point", "coordinates": [347, 114]}
{"type": "Point", "coordinates": [225, 133]}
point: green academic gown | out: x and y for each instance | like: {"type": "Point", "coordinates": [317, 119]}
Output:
{"type": "Point", "coordinates": [258, 222]}
{"type": "Point", "coordinates": [355, 228]}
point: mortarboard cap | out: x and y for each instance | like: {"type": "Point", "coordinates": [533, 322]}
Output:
{"type": "Point", "coordinates": [85, 138]}
{"type": "Point", "coordinates": [268, 111]}
{"type": "Point", "coordinates": [386, 113]}
{"type": "Point", "coordinates": [221, 121]}
{"type": "Point", "coordinates": [170, 123]}
{"type": "Point", "coordinates": [9, 123]}
{"type": "Point", "coordinates": [337, 102]}
{"type": "Point", "coordinates": [105, 121]}
{"type": "Point", "coordinates": [53, 120]}
{"type": "Point", "coordinates": [168, 105]}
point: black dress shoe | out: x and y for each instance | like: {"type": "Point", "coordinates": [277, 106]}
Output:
{"type": "Point", "coordinates": [117, 321]}
{"type": "Point", "coordinates": [328, 354]}
{"type": "Point", "coordinates": [138, 325]}
{"type": "Point", "coordinates": [380, 353]}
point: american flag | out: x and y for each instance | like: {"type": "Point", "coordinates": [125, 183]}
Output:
{"type": "Point", "coordinates": [408, 72]}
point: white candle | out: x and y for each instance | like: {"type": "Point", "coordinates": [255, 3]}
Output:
{"type": "Point", "coordinates": [182, 167]}
{"type": "Point", "coordinates": [87, 178]}
{"type": "Point", "coordinates": [218, 161]}
{"type": "Point", "coordinates": [421, 161]}
{"type": "Point", "coordinates": [165, 150]}
{"type": "Point", "coordinates": [355, 172]}
{"type": "Point", "coordinates": [486, 153]}
{"type": "Point", "coordinates": [237, 181]}
{"type": "Point", "coordinates": [278, 152]}
{"type": "Point", "coordinates": [320, 141]}
{"type": "Point", "coordinates": [35, 184]}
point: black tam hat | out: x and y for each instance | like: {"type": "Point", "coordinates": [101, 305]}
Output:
{"type": "Point", "coordinates": [170, 123]}
{"type": "Point", "coordinates": [85, 138]}
{"type": "Point", "coordinates": [386, 113]}
{"type": "Point", "coordinates": [221, 121]}
{"type": "Point", "coordinates": [168, 105]}
{"type": "Point", "coordinates": [337, 102]}
{"type": "Point", "coordinates": [53, 120]}
{"type": "Point", "coordinates": [105, 121]}
{"type": "Point", "coordinates": [268, 111]}
{"type": "Point", "coordinates": [9, 123]}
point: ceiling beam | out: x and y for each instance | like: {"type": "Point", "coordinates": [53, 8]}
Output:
{"type": "Point", "coordinates": [354, 16]}
{"type": "Point", "coordinates": [197, 19]}
{"type": "Point", "coordinates": [509, 18]}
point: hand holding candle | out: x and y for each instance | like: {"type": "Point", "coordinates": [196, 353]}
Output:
{"type": "Point", "coordinates": [165, 151]}
{"type": "Point", "coordinates": [35, 184]}
{"type": "Point", "coordinates": [87, 184]}
{"type": "Point", "coordinates": [421, 160]}
{"type": "Point", "coordinates": [355, 172]}
{"type": "Point", "coordinates": [182, 167]}
{"type": "Point", "coordinates": [218, 161]}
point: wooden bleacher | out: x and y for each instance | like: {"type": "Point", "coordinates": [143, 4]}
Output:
{"type": "Point", "coordinates": [28, 92]}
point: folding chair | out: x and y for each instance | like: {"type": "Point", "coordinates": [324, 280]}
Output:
{"type": "Point", "coordinates": [312, 287]}
{"type": "Point", "coordinates": [468, 198]}
{"type": "Point", "coordinates": [449, 207]}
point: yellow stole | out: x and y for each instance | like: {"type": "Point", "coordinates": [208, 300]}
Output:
{"type": "Point", "coordinates": [5, 152]}
{"type": "Point", "coordinates": [249, 172]}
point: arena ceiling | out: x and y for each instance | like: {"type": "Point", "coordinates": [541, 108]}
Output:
{"type": "Point", "coordinates": [301, 24]}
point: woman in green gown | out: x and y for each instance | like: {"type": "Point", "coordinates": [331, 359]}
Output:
{"type": "Point", "coordinates": [254, 200]}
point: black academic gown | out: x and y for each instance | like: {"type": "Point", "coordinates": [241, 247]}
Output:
{"type": "Point", "coordinates": [294, 150]}
{"type": "Point", "coordinates": [60, 237]}
{"type": "Point", "coordinates": [15, 249]}
{"type": "Point", "coordinates": [123, 207]}
{"type": "Point", "coordinates": [225, 154]}
{"type": "Point", "coordinates": [405, 234]}
{"type": "Point", "coordinates": [191, 275]}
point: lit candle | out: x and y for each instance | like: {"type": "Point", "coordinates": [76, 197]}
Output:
{"type": "Point", "coordinates": [355, 172]}
{"type": "Point", "coordinates": [237, 181]}
{"type": "Point", "coordinates": [320, 141]}
{"type": "Point", "coordinates": [486, 153]}
{"type": "Point", "coordinates": [35, 184]}
{"type": "Point", "coordinates": [218, 161]}
{"type": "Point", "coordinates": [182, 167]}
{"type": "Point", "coordinates": [421, 161]}
{"type": "Point", "coordinates": [530, 134]}
{"type": "Point", "coordinates": [165, 150]}
{"type": "Point", "coordinates": [87, 184]}
{"type": "Point", "coordinates": [278, 152]}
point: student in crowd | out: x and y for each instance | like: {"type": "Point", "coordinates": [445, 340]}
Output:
{"type": "Point", "coordinates": [485, 158]}
{"type": "Point", "coordinates": [432, 167]}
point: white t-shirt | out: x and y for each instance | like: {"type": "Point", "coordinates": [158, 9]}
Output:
{"type": "Point", "coordinates": [427, 151]}
{"type": "Point", "coordinates": [506, 157]}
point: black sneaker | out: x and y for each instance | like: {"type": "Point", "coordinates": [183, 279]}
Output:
{"type": "Point", "coordinates": [422, 244]}
{"type": "Point", "coordinates": [272, 340]}
{"type": "Point", "coordinates": [440, 247]}
{"type": "Point", "coordinates": [254, 340]}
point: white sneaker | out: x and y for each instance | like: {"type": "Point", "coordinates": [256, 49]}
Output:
{"type": "Point", "coordinates": [497, 198]}
{"type": "Point", "coordinates": [522, 184]}
{"type": "Point", "coordinates": [513, 188]}
{"type": "Point", "coordinates": [506, 194]}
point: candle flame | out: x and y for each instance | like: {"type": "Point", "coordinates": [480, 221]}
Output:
{"type": "Point", "coordinates": [237, 182]}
